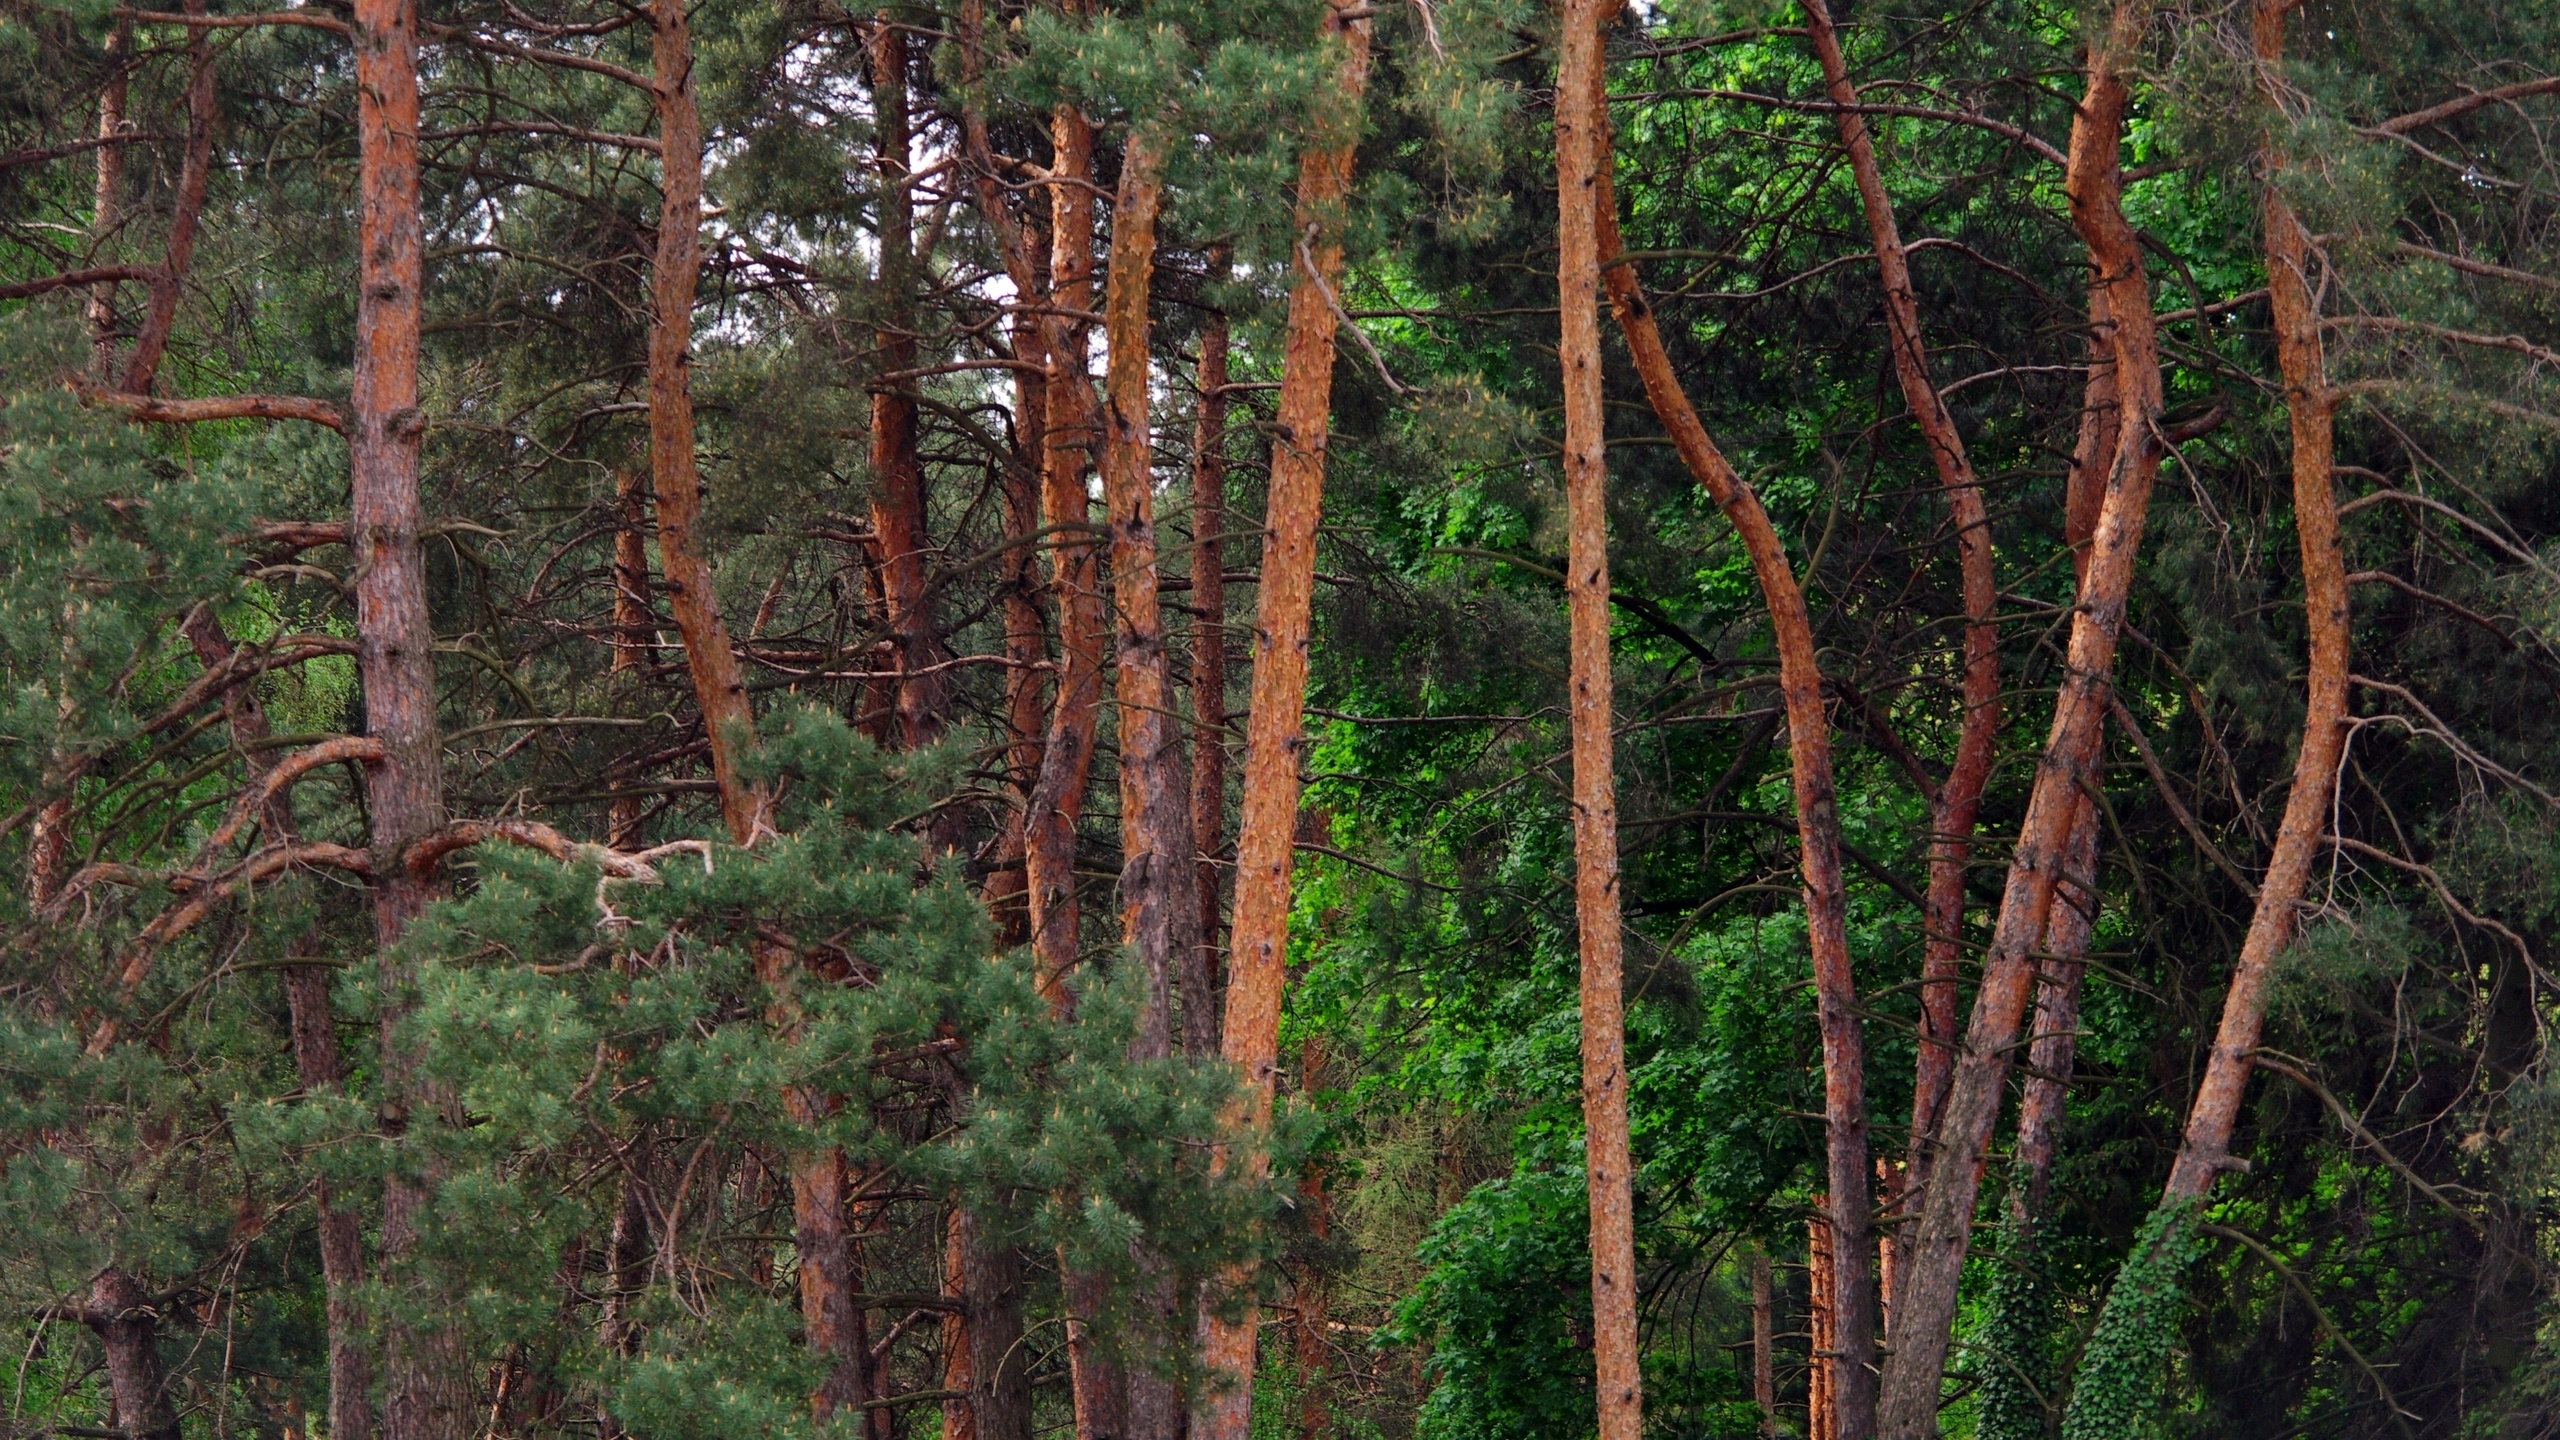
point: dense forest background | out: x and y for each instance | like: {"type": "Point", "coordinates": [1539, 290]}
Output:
{"type": "Point", "coordinates": [1168, 720]}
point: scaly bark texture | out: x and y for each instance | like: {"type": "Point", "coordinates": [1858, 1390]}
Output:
{"type": "Point", "coordinates": [1066, 761]}
{"type": "Point", "coordinates": [425, 1393]}
{"type": "Point", "coordinates": [897, 475]}
{"type": "Point", "coordinates": [2308, 406]}
{"type": "Point", "coordinates": [1275, 728]}
{"type": "Point", "coordinates": [1159, 914]}
{"type": "Point", "coordinates": [1159, 895]}
{"type": "Point", "coordinates": [1847, 1370]}
{"type": "Point", "coordinates": [195, 167]}
{"type": "Point", "coordinates": [1581, 116]}
{"type": "Point", "coordinates": [674, 478]}
{"type": "Point", "coordinates": [1199, 975]}
{"type": "Point", "coordinates": [633, 620]}
{"type": "Point", "coordinates": [128, 1331]}
{"type": "Point", "coordinates": [1822, 1334]}
{"type": "Point", "coordinates": [1933, 1257]}
{"type": "Point", "coordinates": [1958, 802]}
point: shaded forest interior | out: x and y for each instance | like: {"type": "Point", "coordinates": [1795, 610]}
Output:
{"type": "Point", "coordinates": [1224, 719]}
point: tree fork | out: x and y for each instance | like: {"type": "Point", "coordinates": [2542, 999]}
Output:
{"type": "Point", "coordinates": [1933, 1260]}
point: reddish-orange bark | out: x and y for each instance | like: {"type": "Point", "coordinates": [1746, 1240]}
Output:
{"type": "Point", "coordinates": [633, 629]}
{"type": "Point", "coordinates": [1847, 1368]}
{"type": "Point", "coordinates": [1066, 761]}
{"type": "Point", "coordinates": [1959, 799]}
{"type": "Point", "coordinates": [1933, 1257]}
{"type": "Point", "coordinates": [1199, 976]}
{"type": "Point", "coordinates": [1275, 728]}
{"type": "Point", "coordinates": [674, 478]}
{"type": "Point", "coordinates": [2309, 404]}
{"type": "Point", "coordinates": [897, 475]}
{"type": "Point", "coordinates": [195, 168]}
{"type": "Point", "coordinates": [1581, 118]}
{"type": "Point", "coordinates": [1159, 899]}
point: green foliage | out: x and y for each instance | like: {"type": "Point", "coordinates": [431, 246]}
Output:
{"type": "Point", "coordinates": [2117, 1391]}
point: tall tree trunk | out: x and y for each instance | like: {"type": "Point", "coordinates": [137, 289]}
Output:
{"type": "Point", "coordinates": [897, 475]}
{"type": "Point", "coordinates": [1026, 640]}
{"type": "Point", "coordinates": [316, 1061]}
{"type": "Point", "coordinates": [1314, 1288]}
{"type": "Point", "coordinates": [1275, 728]}
{"type": "Point", "coordinates": [2309, 406]}
{"type": "Point", "coordinates": [425, 1390]}
{"type": "Point", "coordinates": [2136, 1295]}
{"type": "Point", "coordinates": [1159, 899]}
{"type": "Point", "coordinates": [1199, 979]}
{"type": "Point", "coordinates": [1849, 1371]}
{"type": "Point", "coordinates": [1958, 802]}
{"type": "Point", "coordinates": [1581, 117]}
{"type": "Point", "coordinates": [1764, 1366]}
{"type": "Point", "coordinates": [195, 167]}
{"type": "Point", "coordinates": [674, 478]}
{"type": "Point", "coordinates": [105, 214]}
{"type": "Point", "coordinates": [128, 1330]}
{"type": "Point", "coordinates": [999, 1372]}
{"type": "Point", "coordinates": [2068, 925]}
{"type": "Point", "coordinates": [1159, 915]}
{"type": "Point", "coordinates": [1933, 1259]}
{"type": "Point", "coordinates": [634, 620]}
{"type": "Point", "coordinates": [1066, 761]}
{"type": "Point", "coordinates": [1822, 1331]}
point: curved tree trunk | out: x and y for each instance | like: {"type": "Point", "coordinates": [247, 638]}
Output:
{"type": "Point", "coordinates": [1958, 802]}
{"type": "Point", "coordinates": [1849, 1367]}
{"type": "Point", "coordinates": [1933, 1259]}
{"type": "Point", "coordinates": [2308, 406]}
{"type": "Point", "coordinates": [195, 168]}
{"type": "Point", "coordinates": [1275, 727]}
{"type": "Point", "coordinates": [1581, 119]}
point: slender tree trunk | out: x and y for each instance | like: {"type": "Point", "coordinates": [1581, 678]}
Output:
{"type": "Point", "coordinates": [1066, 761]}
{"type": "Point", "coordinates": [1581, 115]}
{"type": "Point", "coordinates": [186, 213]}
{"type": "Point", "coordinates": [128, 1330]}
{"type": "Point", "coordinates": [959, 1422]}
{"type": "Point", "coordinates": [1026, 640]}
{"type": "Point", "coordinates": [1958, 802]}
{"type": "Point", "coordinates": [1822, 1330]}
{"type": "Point", "coordinates": [2309, 406]}
{"type": "Point", "coordinates": [1159, 898]}
{"type": "Point", "coordinates": [674, 478]}
{"type": "Point", "coordinates": [1199, 979]}
{"type": "Point", "coordinates": [1314, 1289]}
{"type": "Point", "coordinates": [897, 475]}
{"type": "Point", "coordinates": [316, 1061]}
{"type": "Point", "coordinates": [1276, 724]}
{"type": "Point", "coordinates": [2068, 925]}
{"type": "Point", "coordinates": [425, 1391]}
{"type": "Point", "coordinates": [634, 620]}
{"type": "Point", "coordinates": [1764, 1367]}
{"type": "Point", "coordinates": [1934, 1257]}
{"type": "Point", "coordinates": [1849, 1369]}
{"type": "Point", "coordinates": [999, 1371]}
{"type": "Point", "coordinates": [1159, 916]}
{"type": "Point", "coordinates": [105, 215]}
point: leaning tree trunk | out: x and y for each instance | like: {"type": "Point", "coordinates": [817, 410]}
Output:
{"type": "Point", "coordinates": [1275, 727]}
{"type": "Point", "coordinates": [1849, 1372]}
{"type": "Point", "coordinates": [195, 168]}
{"type": "Point", "coordinates": [1954, 808]}
{"type": "Point", "coordinates": [1581, 119]}
{"type": "Point", "coordinates": [2126, 1332]}
{"type": "Point", "coordinates": [1933, 1260]}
